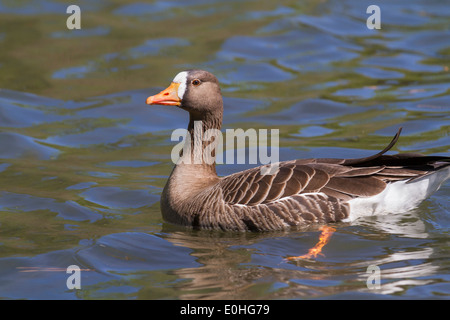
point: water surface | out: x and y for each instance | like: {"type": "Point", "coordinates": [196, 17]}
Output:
{"type": "Point", "coordinates": [83, 159]}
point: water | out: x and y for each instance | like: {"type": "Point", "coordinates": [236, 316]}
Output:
{"type": "Point", "coordinates": [83, 159]}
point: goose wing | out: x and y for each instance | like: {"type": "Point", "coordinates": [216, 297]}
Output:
{"type": "Point", "coordinates": [342, 179]}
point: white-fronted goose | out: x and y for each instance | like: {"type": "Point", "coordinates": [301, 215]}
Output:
{"type": "Point", "coordinates": [301, 192]}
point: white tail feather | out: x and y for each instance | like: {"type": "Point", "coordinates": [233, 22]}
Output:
{"type": "Point", "coordinates": [399, 196]}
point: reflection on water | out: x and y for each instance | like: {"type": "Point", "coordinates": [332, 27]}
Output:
{"type": "Point", "coordinates": [83, 159]}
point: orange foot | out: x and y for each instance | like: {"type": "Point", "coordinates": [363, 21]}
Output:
{"type": "Point", "coordinates": [315, 251]}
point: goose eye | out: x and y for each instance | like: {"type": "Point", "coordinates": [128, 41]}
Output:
{"type": "Point", "coordinates": [196, 82]}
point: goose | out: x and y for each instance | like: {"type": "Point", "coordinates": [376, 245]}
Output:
{"type": "Point", "coordinates": [299, 192]}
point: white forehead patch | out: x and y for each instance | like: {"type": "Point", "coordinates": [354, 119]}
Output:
{"type": "Point", "coordinates": [181, 78]}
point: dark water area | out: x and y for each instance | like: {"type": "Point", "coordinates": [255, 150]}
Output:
{"type": "Point", "coordinates": [83, 159]}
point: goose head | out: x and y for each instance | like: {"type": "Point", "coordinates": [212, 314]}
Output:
{"type": "Point", "coordinates": [196, 91]}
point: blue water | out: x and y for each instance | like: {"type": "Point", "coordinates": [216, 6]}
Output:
{"type": "Point", "coordinates": [83, 159]}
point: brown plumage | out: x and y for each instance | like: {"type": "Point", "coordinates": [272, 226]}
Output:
{"type": "Point", "coordinates": [300, 192]}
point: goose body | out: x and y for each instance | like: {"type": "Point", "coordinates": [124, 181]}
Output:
{"type": "Point", "coordinates": [299, 192]}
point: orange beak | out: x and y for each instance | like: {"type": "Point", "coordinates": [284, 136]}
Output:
{"type": "Point", "coordinates": [167, 97]}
